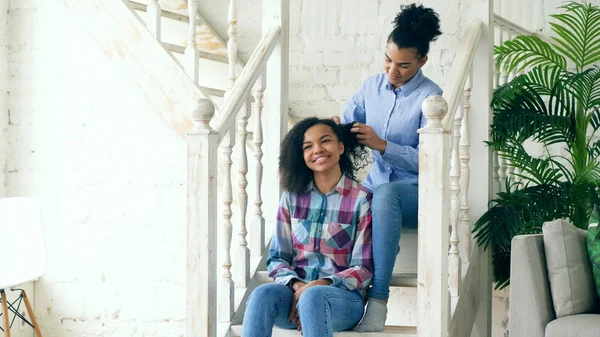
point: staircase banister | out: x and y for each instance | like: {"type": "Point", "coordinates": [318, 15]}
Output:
{"type": "Point", "coordinates": [502, 22]}
{"type": "Point", "coordinates": [226, 117]}
{"type": "Point", "coordinates": [454, 88]}
{"type": "Point", "coordinates": [469, 300]}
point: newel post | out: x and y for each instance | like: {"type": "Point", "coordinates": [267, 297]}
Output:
{"type": "Point", "coordinates": [433, 299]}
{"type": "Point", "coordinates": [201, 223]}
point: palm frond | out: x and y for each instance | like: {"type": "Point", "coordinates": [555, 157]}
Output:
{"type": "Point", "coordinates": [590, 173]}
{"type": "Point", "coordinates": [539, 171]}
{"type": "Point", "coordinates": [535, 105]}
{"type": "Point", "coordinates": [510, 210]}
{"type": "Point", "coordinates": [545, 78]}
{"type": "Point", "coordinates": [578, 33]}
{"type": "Point", "coordinates": [501, 263]}
{"type": "Point", "coordinates": [526, 124]}
{"type": "Point", "coordinates": [521, 124]}
{"type": "Point", "coordinates": [594, 149]}
{"type": "Point", "coordinates": [526, 51]}
{"type": "Point", "coordinates": [595, 118]}
{"type": "Point", "coordinates": [500, 223]}
{"type": "Point", "coordinates": [585, 86]}
{"type": "Point", "coordinates": [582, 205]}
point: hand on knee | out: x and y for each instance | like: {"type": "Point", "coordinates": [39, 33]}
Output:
{"type": "Point", "coordinates": [311, 299]}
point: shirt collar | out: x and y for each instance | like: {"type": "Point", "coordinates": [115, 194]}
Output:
{"type": "Point", "coordinates": [409, 86]}
{"type": "Point", "coordinates": [343, 186]}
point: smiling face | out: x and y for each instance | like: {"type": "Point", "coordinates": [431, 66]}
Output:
{"type": "Point", "coordinates": [401, 64]}
{"type": "Point", "coordinates": [322, 149]}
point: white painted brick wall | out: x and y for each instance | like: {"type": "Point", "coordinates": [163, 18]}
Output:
{"type": "Point", "coordinates": [110, 175]}
{"type": "Point", "coordinates": [19, 328]}
{"type": "Point", "coordinates": [4, 78]}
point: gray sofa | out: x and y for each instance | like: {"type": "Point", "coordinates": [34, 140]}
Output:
{"type": "Point", "coordinates": [532, 312]}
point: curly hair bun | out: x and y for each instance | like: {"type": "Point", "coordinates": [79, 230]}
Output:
{"type": "Point", "coordinates": [418, 21]}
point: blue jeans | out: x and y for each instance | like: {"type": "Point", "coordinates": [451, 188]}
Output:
{"type": "Point", "coordinates": [322, 310]}
{"type": "Point", "coordinates": [394, 205]}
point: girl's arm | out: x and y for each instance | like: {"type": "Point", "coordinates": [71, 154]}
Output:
{"type": "Point", "coordinates": [360, 270]}
{"type": "Point", "coordinates": [355, 110]}
{"type": "Point", "coordinates": [402, 156]}
{"type": "Point", "coordinates": [279, 262]}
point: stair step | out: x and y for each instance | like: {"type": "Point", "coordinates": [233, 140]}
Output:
{"type": "Point", "coordinates": [389, 331]}
{"type": "Point", "coordinates": [142, 7]}
{"type": "Point", "coordinates": [180, 16]}
{"type": "Point", "coordinates": [202, 54]}
{"type": "Point", "coordinates": [213, 92]}
{"type": "Point", "coordinates": [404, 280]}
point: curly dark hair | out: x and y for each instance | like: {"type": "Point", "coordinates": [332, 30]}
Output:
{"type": "Point", "coordinates": [414, 27]}
{"type": "Point", "coordinates": [295, 176]}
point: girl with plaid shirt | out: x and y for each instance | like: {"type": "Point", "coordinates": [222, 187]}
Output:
{"type": "Point", "coordinates": [320, 253]}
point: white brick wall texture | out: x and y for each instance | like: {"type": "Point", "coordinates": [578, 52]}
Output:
{"type": "Point", "coordinates": [4, 80]}
{"type": "Point", "coordinates": [111, 174]}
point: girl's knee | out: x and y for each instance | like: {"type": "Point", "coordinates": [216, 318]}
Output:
{"type": "Point", "coordinates": [386, 196]}
{"type": "Point", "coordinates": [270, 292]}
{"type": "Point", "coordinates": [394, 190]}
{"type": "Point", "coordinates": [392, 196]}
{"type": "Point", "coordinates": [383, 192]}
{"type": "Point", "coordinates": [312, 297]}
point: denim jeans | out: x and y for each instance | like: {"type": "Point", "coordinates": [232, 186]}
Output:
{"type": "Point", "coordinates": [322, 310]}
{"type": "Point", "coordinates": [394, 205]}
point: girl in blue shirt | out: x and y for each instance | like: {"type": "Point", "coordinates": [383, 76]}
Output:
{"type": "Point", "coordinates": [387, 111]}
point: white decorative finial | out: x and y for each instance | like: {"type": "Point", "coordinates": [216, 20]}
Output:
{"type": "Point", "coordinates": [434, 108]}
{"type": "Point", "coordinates": [202, 114]}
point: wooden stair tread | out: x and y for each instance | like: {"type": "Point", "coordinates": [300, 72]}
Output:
{"type": "Point", "coordinates": [181, 15]}
{"type": "Point", "coordinates": [400, 331]}
{"type": "Point", "coordinates": [201, 53]}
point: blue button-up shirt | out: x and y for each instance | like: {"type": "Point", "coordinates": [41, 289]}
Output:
{"type": "Point", "coordinates": [395, 115]}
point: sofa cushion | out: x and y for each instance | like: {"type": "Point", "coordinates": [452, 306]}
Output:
{"type": "Point", "coordinates": [569, 271]}
{"type": "Point", "coordinates": [574, 326]}
{"type": "Point", "coordinates": [593, 246]}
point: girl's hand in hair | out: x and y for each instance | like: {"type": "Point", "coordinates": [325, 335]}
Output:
{"type": "Point", "coordinates": [336, 119]}
{"type": "Point", "coordinates": [367, 136]}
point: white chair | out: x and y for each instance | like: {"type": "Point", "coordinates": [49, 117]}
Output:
{"type": "Point", "coordinates": [23, 255]}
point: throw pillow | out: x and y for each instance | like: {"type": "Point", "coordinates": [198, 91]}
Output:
{"type": "Point", "coordinates": [569, 271]}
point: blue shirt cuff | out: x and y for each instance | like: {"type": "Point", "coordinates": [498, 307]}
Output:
{"type": "Point", "coordinates": [392, 151]}
{"type": "Point", "coordinates": [338, 282]}
{"type": "Point", "coordinates": [286, 280]}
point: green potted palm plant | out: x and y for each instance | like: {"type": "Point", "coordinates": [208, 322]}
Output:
{"type": "Point", "coordinates": [555, 102]}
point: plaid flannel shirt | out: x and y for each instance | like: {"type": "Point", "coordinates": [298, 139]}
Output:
{"type": "Point", "coordinates": [324, 236]}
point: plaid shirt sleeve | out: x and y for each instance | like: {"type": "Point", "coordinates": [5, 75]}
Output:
{"type": "Point", "coordinates": [360, 271]}
{"type": "Point", "coordinates": [279, 261]}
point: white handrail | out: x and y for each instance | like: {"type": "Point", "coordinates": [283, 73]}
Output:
{"type": "Point", "coordinates": [502, 22]}
{"type": "Point", "coordinates": [223, 121]}
{"type": "Point", "coordinates": [454, 88]}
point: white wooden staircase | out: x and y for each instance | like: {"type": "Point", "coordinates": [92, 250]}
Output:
{"type": "Point", "coordinates": [446, 292]}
